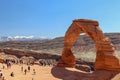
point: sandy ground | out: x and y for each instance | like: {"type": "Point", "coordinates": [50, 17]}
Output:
{"type": "Point", "coordinates": [42, 73]}
{"type": "Point", "coordinates": [57, 73]}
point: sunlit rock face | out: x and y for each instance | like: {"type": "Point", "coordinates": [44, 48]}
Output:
{"type": "Point", "coordinates": [106, 58]}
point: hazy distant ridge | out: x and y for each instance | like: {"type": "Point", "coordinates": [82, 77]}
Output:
{"type": "Point", "coordinates": [83, 43]}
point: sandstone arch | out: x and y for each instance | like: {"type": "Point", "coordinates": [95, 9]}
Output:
{"type": "Point", "coordinates": [106, 57]}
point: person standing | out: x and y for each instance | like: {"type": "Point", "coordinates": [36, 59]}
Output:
{"type": "Point", "coordinates": [22, 68]}
{"type": "Point", "coordinates": [29, 68]}
{"type": "Point", "coordinates": [1, 73]}
{"type": "Point", "coordinates": [25, 71]}
{"type": "Point", "coordinates": [3, 65]}
{"type": "Point", "coordinates": [34, 72]}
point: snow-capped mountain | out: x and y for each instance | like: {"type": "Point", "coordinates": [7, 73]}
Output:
{"type": "Point", "coordinates": [20, 38]}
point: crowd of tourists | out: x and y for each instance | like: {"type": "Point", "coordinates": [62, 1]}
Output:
{"type": "Point", "coordinates": [7, 63]}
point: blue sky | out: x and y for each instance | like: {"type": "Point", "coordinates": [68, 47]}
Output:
{"type": "Point", "coordinates": [51, 18]}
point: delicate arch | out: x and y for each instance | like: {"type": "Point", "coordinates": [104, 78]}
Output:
{"type": "Point", "coordinates": [105, 55]}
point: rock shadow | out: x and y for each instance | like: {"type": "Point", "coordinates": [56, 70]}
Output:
{"type": "Point", "coordinates": [74, 74]}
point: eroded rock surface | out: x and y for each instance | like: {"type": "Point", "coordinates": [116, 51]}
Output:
{"type": "Point", "coordinates": [106, 58]}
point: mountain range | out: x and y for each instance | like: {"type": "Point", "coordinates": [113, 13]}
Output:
{"type": "Point", "coordinates": [20, 38]}
{"type": "Point", "coordinates": [83, 44]}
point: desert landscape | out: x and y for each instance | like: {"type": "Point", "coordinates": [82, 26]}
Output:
{"type": "Point", "coordinates": [59, 40]}
{"type": "Point", "coordinates": [84, 60]}
{"type": "Point", "coordinates": [45, 60]}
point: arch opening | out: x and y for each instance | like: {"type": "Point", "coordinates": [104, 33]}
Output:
{"type": "Point", "coordinates": [84, 49]}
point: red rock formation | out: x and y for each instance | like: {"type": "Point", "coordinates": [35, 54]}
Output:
{"type": "Point", "coordinates": [106, 58]}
